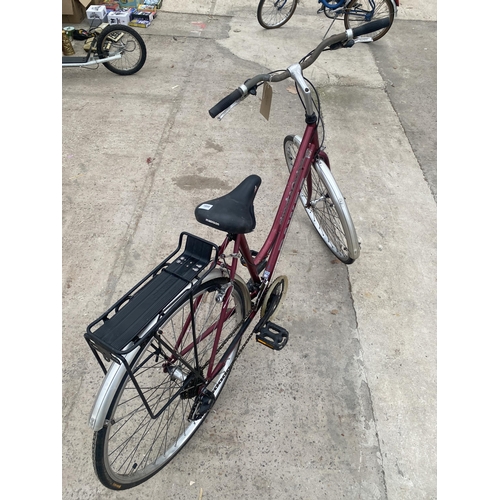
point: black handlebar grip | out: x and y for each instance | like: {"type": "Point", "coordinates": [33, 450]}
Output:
{"type": "Point", "coordinates": [225, 103]}
{"type": "Point", "coordinates": [370, 27]}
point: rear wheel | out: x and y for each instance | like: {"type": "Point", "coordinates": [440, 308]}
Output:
{"type": "Point", "coordinates": [359, 12]}
{"type": "Point", "coordinates": [123, 40]}
{"type": "Point", "coordinates": [275, 13]}
{"type": "Point", "coordinates": [132, 446]}
{"type": "Point", "coordinates": [325, 206]}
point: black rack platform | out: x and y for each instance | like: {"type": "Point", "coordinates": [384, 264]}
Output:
{"type": "Point", "coordinates": [122, 327]}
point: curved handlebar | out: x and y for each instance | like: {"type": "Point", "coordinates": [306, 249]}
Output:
{"type": "Point", "coordinates": [268, 77]}
{"type": "Point", "coordinates": [226, 102]}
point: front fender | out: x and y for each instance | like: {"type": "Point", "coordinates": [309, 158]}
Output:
{"type": "Point", "coordinates": [117, 372]}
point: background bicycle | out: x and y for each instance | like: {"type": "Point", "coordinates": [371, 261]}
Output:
{"type": "Point", "coordinates": [117, 47]}
{"type": "Point", "coordinates": [273, 14]}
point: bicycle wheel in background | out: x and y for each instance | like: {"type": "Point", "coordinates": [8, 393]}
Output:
{"type": "Point", "coordinates": [132, 447]}
{"type": "Point", "coordinates": [359, 12]}
{"type": "Point", "coordinates": [121, 39]}
{"type": "Point", "coordinates": [325, 206]}
{"type": "Point", "coordinates": [275, 13]}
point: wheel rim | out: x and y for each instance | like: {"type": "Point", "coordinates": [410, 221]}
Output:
{"type": "Point", "coordinates": [324, 217]}
{"type": "Point", "coordinates": [320, 209]}
{"type": "Point", "coordinates": [136, 446]}
{"type": "Point", "coordinates": [274, 13]}
{"type": "Point", "coordinates": [129, 48]}
{"type": "Point", "coordinates": [364, 11]}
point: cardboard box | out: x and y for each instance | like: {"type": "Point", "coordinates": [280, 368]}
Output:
{"type": "Point", "coordinates": [153, 3]}
{"type": "Point", "coordinates": [139, 23]}
{"type": "Point", "coordinates": [73, 11]}
{"type": "Point", "coordinates": [122, 17]}
{"type": "Point", "coordinates": [111, 4]}
{"type": "Point", "coordinates": [126, 4]}
{"type": "Point", "coordinates": [97, 12]}
{"type": "Point", "coordinates": [147, 8]}
{"type": "Point", "coordinates": [141, 15]}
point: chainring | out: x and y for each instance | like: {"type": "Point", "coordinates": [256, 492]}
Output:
{"type": "Point", "coordinates": [274, 298]}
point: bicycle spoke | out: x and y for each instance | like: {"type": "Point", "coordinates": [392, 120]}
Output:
{"type": "Point", "coordinates": [135, 446]}
{"type": "Point", "coordinates": [275, 13]}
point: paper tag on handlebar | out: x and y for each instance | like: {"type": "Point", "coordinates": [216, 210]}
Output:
{"type": "Point", "coordinates": [267, 97]}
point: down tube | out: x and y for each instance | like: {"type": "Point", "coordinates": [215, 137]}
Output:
{"type": "Point", "coordinates": [301, 168]}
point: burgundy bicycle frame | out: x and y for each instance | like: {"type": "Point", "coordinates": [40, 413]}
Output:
{"type": "Point", "coordinates": [272, 246]}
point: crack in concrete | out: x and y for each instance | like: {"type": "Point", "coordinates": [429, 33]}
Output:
{"type": "Point", "coordinates": [365, 376]}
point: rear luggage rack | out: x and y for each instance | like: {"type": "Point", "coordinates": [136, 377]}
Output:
{"type": "Point", "coordinates": [139, 314]}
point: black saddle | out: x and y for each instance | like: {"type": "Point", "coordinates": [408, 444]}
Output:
{"type": "Point", "coordinates": [233, 212]}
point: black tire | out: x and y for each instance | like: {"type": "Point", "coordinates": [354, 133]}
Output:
{"type": "Point", "coordinates": [122, 39]}
{"type": "Point", "coordinates": [132, 447]}
{"type": "Point", "coordinates": [275, 13]}
{"type": "Point", "coordinates": [325, 206]}
{"type": "Point", "coordinates": [360, 12]}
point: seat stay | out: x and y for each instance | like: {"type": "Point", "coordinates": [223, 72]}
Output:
{"type": "Point", "coordinates": [240, 247]}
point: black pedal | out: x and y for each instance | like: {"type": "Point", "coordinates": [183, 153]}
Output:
{"type": "Point", "coordinates": [272, 336]}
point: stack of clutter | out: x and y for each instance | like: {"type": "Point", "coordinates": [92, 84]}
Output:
{"type": "Point", "coordinates": [136, 13]}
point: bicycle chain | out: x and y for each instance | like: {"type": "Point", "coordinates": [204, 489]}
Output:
{"type": "Point", "coordinates": [228, 371]}
{"type": "Point", "coordinates": [227, 339]}
{"type": "Point", "coordinates": [224, 265]}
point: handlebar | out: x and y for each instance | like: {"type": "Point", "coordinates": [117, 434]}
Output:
{"type": "Point", "coordinates": [268, 77]}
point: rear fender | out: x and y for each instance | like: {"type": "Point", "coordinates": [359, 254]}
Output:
{"type": "Point", "coordinates": [117, 372]}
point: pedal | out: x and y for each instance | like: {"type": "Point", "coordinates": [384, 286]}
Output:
{"type": "Point", "coordinates": [273, 336]}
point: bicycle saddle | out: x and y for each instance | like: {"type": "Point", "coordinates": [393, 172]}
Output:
{"type": "Point", "coordinates": [233, 212]}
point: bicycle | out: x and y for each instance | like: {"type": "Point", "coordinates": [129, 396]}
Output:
{"type": "Point", "coordinates": [118, 47]}
{"type": "Point", "coordinates": [272, 14]}
{"type": "Point", "coordinates": [172, 340]}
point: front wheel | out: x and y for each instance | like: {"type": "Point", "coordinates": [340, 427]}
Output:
{"type": "Point", "coordinates": [359, 12]}
{"type": "Point", "coordinates": [122, 40]}
{"type": "Point", "coordinates": [275, 13]}
{"type": "Point", "coordinates": [132, 446]}
{"type": "Point", "coordinates": [325, 206]}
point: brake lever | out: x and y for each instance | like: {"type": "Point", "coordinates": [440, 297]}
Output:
{"type": "Point", "coordinates": [226, 111]}
{"type": "Point", "coordinates": [363, 39]}
{"type": "Point", "coordinates": [252, 91]}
